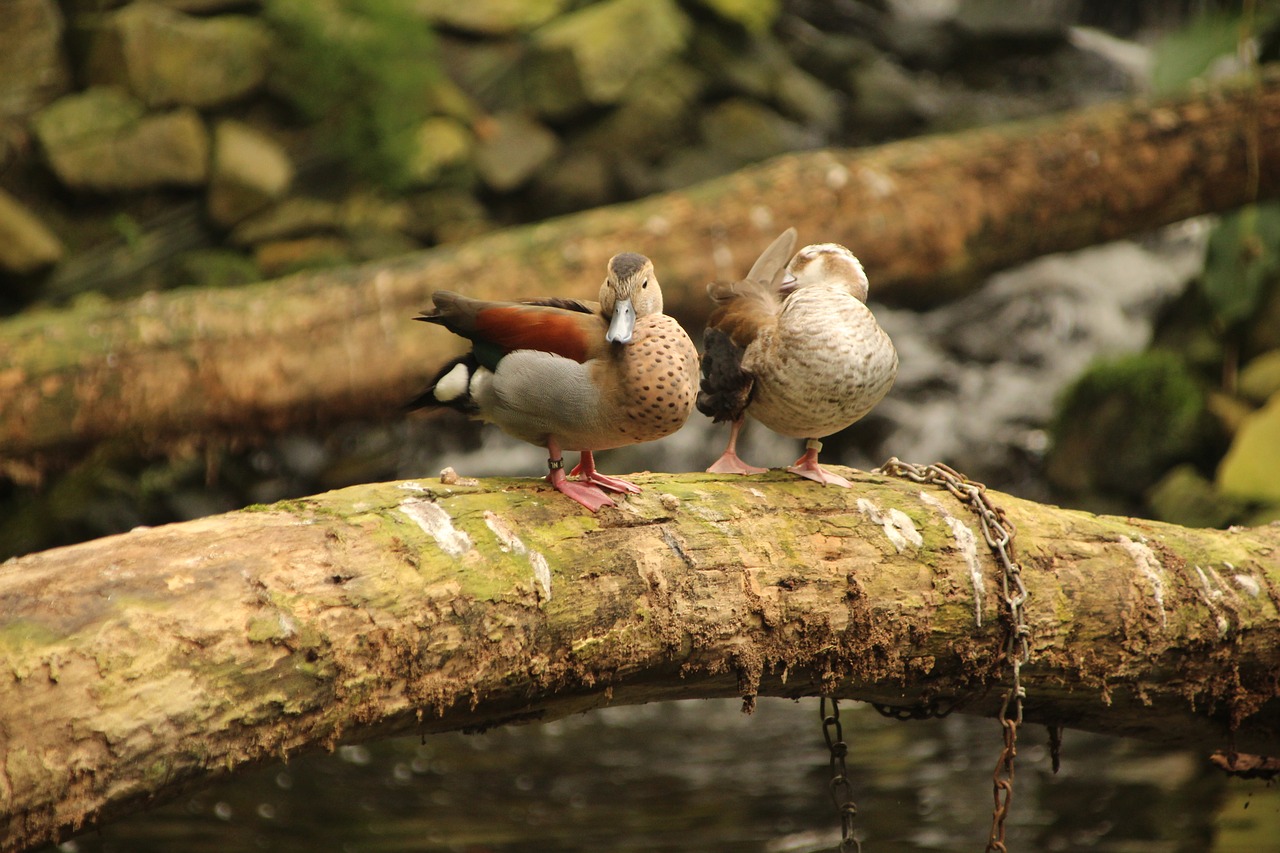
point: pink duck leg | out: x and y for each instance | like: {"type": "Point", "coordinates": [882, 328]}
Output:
{"type": "Point", "coordinates": [586, 494]}
{"type": "Point", "coordinates": [729, 462]}
{"type": "Point", "coordinates": [586, 468]}
{"type": "Point", "coordinates": [807, 466]}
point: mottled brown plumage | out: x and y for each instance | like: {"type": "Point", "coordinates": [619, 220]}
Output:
{"type": "Point", "coordinates": [797, 349]}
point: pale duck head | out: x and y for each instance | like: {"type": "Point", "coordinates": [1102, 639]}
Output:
{"type": "Point", "coordinates": [825, 263]}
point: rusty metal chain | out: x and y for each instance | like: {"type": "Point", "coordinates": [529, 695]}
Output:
{"type": "Point", "coordinates": [998, 532]}
{"type": "Point", "coordinates": [841, 785]}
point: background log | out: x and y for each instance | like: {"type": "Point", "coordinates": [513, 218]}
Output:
{"type": "Point", "coordinates": [138, 665]}
{"type": "Point", "coordinates": [929, 217]}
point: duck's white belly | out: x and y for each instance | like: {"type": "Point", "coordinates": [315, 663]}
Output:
{"type": "Point", "coordinates": [826, 365]}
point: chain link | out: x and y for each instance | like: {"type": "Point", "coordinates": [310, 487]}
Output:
{"type": "Point", "coordinates": [998, 532]}
{"type": "Point", "coordinates": [1055, 747]}
{"type": "Point", "coordinates": [841, 785]}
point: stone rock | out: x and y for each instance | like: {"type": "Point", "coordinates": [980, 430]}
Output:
{"type": "Point", "coordinates": [755, 16]}
{"type": "Point", "coordinates": [166, 57]}
{"type": "Point", "coordinates": [512, 148]}
{"type": "Point", "coordinates": [646, 126]}
{"type": "Point", "coordinates": [490, 17]}
{"type": "Point", "coordinates": [1228, 410]}
{"type": "Point", "coordinates": [1184, 497]}
{"type": "Point", "coordinates": [1124, 422]}
{"type": "Point", "coordinates": [735, 133]}
{"type": "Point", "coordinates": [365, 212]}
{"type": "Point", "coordinates": [1035, 22]}
{"type": "Point", "coordinates": [291, 217]}
{"type": "Point", "coordinates": [102, 139]}
{"type": "Point", "coordinates": [886, 99]}
{"type": "Point", "coordinates": [807, 99]}
{"type": "Point", "coordinates": [577, 181]}
{"type": "Point", "coordinates": [249, 171]}
{"type": "Point", "coordinates": [486, 71]}
{"type": "Point", "coordinates": [1260, 378]}
{"type": "Point", "coordinates": [26, 243]}
{"type": "Point", "coordinates": [33, 69]}
{"type": "Point", "coordinates": [445, 215]}
{"type": "Point", "coordinates": [744, 131]}
{"type": "Point", "coordinates": [591, 56]}
{"type": "Point", "coordinates": [763, 70]}
{"type": "Point", "coordinates": [440, 144]}
{"type": "Point", "coordinates": [1251, 468]}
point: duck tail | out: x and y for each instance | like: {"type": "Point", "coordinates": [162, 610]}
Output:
{"type": "Point", "coordinates": [451, 387]}
{"type": "Point", "coordinates": [726, 387]}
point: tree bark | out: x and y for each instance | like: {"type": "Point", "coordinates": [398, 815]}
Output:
{"type": "Point", "coordinates": [928, 217]}
{"type": "Point", "coordinates": [138, 665]}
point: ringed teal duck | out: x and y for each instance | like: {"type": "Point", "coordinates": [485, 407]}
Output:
{"type": "Point", "coordinates": [795, 346]}
{"type": "Point", "coordinates": [571, 375]}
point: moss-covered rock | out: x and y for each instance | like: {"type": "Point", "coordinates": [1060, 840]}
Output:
{"type": "Point", "coordinates": [1260, 378]}
{"type": "Point", "coordinates": [1124, 422]}
{"type": "Point", "coordinates": [103, 139]}
{"type": "Point", "coordinates": [1251, 468]}
{"type": "Point", "coordinates": [440, 145]}
{"type": "Point", "coordinates": [33, 64]}
{"type": "Point", "coordinates": [490, 17]}
{"type": "Point", "coordinates": [512, 147]}
{"type": "Point", "coordinates": [26, 243]}
{"type": "Point", "coordinates": [756, 16]}
{"type": "Point", "coordinates": [591, 56]}
{"type": "Point", "coordinates": [168, 58]}
{"type": "Point", "coordinates": [250, 170]}
{"type": "Point", "coordinates": [1183, 496]}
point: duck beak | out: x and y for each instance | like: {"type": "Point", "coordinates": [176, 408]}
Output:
{"type": "Point", "coordinates": [622, 324]}
{"type": "Point", "coordinates": [787, 284]}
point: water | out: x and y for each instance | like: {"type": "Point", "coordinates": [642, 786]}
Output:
{"type": "Point", "coordinates": [701, 775]}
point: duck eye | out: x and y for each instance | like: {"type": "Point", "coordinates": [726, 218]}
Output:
{"type": "Point", "coordinates": [644, 284]}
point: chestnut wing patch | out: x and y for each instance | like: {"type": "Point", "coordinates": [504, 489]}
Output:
{"type": "Point", "coordinates": [547, 329]}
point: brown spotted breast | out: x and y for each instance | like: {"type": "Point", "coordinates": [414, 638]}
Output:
{"type": "Point", "coordinates": [656, 381]}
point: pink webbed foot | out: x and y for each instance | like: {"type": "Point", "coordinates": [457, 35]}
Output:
{"type": "Point", "coordinates": [586, 468]}
{"type": "Point", "coordinates": [807, 466]}
{"type": "Point", "coordinates": [729, 461]}
{"type": "Point", "coordinates": [586, 494]}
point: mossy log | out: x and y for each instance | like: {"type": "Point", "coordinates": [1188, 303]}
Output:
{"type": "Point", "coordinates": [138, 665]}
{"type": "Point", "coordinates": [929, 218]}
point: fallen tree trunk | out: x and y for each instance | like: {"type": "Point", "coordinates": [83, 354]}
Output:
{"type": "Point", "coordinates": [141, 664]}
{"type": "Point", "coordinates": [929, 218]}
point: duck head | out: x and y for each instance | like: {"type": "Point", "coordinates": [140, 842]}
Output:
{"type": "Point", "coordinates": [825, 263]}
{"type": "Point", "coordinates": [629, 292]}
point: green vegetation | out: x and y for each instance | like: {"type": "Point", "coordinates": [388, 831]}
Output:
{"type": "Point", "coordinates": [365, 71]}
{"type": "Point", "coordinates": [1189, 52]}
{"type": "Point", "coordinates": [1242, 262]}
